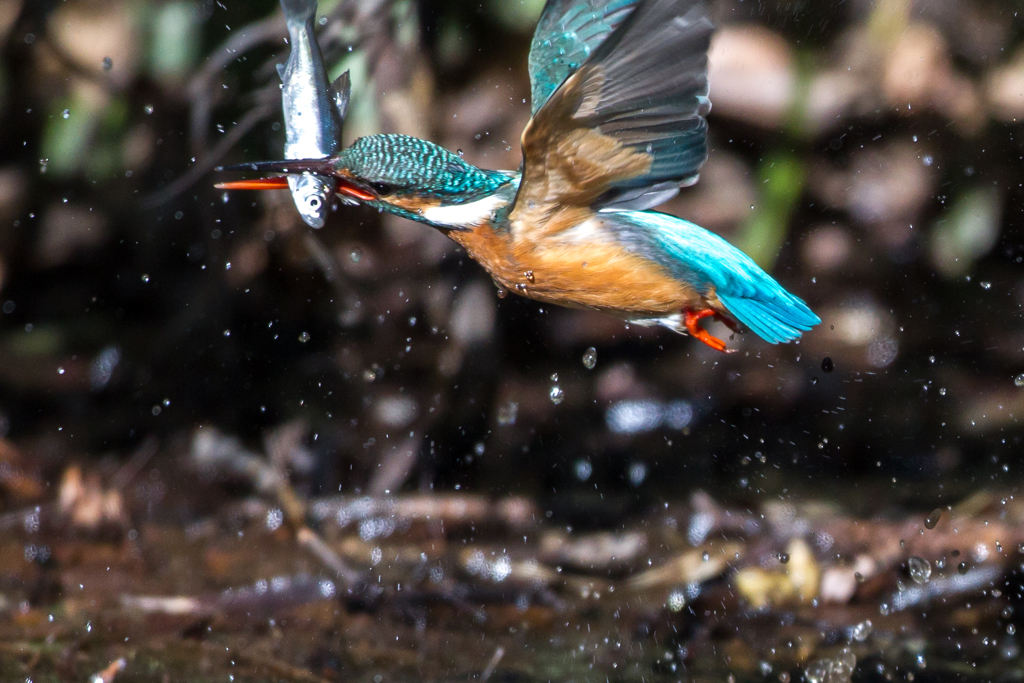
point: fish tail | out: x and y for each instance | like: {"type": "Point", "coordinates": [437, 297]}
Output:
{"type": "Point", "coordinates": [299, 11]}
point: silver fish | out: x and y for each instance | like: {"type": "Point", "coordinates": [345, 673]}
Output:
{"type": "Point", "coordinates": [314, 111]}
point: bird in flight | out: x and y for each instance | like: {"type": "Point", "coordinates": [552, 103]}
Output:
{"type": "Point", "coordinates": [619, 99]}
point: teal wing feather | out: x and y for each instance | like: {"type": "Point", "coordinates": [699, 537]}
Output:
{"type": "Point", "coordinates": [628, 128]}
{"type": "Point", "coordinates": [567, 33]}
{"type": "Point", "coordinates": [651, 81]}
{"type": "Point", "coordinates": [707, 262]}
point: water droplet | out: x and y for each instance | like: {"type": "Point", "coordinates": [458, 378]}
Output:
{"type": "Point", "coordinates": [582, 469]}
{"type": "Point", "coordinates": [942, 391]}
{"type": "Point", "coordinates": [459, 152]}
{"type": "Point", "coordinates": [1011, 629]}
{"type": "Point", "coordinates": [862, 631]}
{"type": "Point", "coordinates": [322, 21]}
{"type": "Point", "coordinates": [507, 413]}
{"type": "Point", "coordinates": [1019, 380]}
{"type": "Point", "coordinates": [556, 394]}
{"type": "Point", "coordinates": [928, 160]}
{"type": "Point", "coordinates": [60, 371]}
{"type": "Point", "coordinates": [502, 292]}
{"type": "Point", "coordinates": [932, 520]}
{"type": "Point", "coordinates": [962, 568]}
{"type": "Point", "coordinates": [554, 376]}
{"type": "Point", "coordinates": [784, 558]}
{"type": "Point", "coordinates": [145, 277]}
{"type": "Point", "coordinates": [227, 333]}
{"type": "Point", "coordinates": [529, 276]}
{"type": "Point", "coordinates": [827, 365]}
{"type": "Point", "coordinates": [148, 109]}
{"type": "Point", "coordinates": [304, 337]}
{"type": "Point", "coordinates": [984, 285]}
{"type": "Point", "coordinates": [66, 114]}
{"type": "Point", "coordinates": [931, 359]}
{"type": "Point", "coordinates": [356, 255]}
{"type": "Point", "coordinates": [590, 358]}
{"type": "Point", "coordinates": [108, 63]}
{"type": "Point", "coordinates": [920, 570]}
{"type": "Point", "coordinates": [814, 380]}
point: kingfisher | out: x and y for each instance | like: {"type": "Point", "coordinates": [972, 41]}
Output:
{"type": "Point", "coordinates": [619, 104]}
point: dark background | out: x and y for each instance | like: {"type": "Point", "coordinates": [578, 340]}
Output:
{"type": "Point", "coordinates": [866, 154]}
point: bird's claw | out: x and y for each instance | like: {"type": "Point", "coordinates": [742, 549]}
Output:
{"type": "Point", "coordinates": [691, 318]}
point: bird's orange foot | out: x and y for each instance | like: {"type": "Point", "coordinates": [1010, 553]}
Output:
{"type": "Point", "coordinates": [691, 318]}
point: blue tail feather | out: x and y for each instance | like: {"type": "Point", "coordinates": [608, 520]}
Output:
{"type": "Point", "coordinates": [711, 265]}
{"type": "Point", "coordinates": [773, 320]}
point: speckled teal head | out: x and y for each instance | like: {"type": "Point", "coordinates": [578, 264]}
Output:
{"type": "Point", "coordinates": [419, 180]}
{"type": "Point", "coordinates": [405, 176]}
{"type": "Point", "coordinates": [400, 166]}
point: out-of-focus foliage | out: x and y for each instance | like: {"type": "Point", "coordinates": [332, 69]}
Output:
{"type": "Point", "coordinates": [869, 153]}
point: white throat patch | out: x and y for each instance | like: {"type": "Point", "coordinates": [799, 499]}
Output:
{"type": "Point", "coordinates": [465, 215]}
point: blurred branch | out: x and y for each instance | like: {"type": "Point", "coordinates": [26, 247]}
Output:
{"type": "Point", "coordinates": [208, 162]}
{"type": "Point", "coordinates": [200, 88]}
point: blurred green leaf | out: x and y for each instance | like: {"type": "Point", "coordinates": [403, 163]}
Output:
{"type": "Point", "coordinates": [174, 46]}
{"type": "Point", "coordinates": [520, 15]}
{"type": "Point", "coordinates": [782, 178]}
{"type": "Point", "coordinates": [363, 118]}
{"type": "Point", "coordinates": [41, 341]}
{"type": "Point", "coordinates": [106, 154]}
{"type": "Point", "coordinates": [967, 232]}
{"type": "Point", "coordinates": [69, 132]}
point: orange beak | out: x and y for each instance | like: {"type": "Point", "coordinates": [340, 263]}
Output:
{"type": "Point", "coordinates": [274, 183]}
{"type": "Point", "coordinates": [322, 167]}
{"type": "Point", "coordinates": [281, 183]}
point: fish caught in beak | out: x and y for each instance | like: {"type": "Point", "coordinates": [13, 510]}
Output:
{"type": "Point", "coordinates": [343, 185]}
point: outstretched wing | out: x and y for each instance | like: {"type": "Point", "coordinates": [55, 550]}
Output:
{"type": "Point", "coordinates": [568, 31]}
{"type": "Point", "coordinates": [627, 129]}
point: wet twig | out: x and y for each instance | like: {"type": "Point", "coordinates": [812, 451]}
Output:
{"type": "Point", "coordinates": [312, 542]}
{"type": "Point", "coordinates": [266, 107]}
{"type": "Point", "coordinates": [108, 674]}
{"type": "Point", "coordinates": [493, 664]}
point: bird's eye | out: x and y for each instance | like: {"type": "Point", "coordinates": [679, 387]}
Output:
{"type": "Point", "coordinates": [314, 203]}
{"type": "Point", "coordinates": [382, 189]}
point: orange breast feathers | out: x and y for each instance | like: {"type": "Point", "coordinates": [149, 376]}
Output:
{"type": "Point", "coordinates": [549, 265]}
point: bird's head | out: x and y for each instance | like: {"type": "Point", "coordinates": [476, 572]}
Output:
{"type": "Point", "coordinates": [409, 177]}
{"type": "Point", "coordinates": [418, 180]}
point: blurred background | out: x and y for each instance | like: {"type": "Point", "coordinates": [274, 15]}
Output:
{"type": "Point", "coordinates": [166, 349]}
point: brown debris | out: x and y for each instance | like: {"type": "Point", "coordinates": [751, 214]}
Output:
{"type": "Point", "coordinates": [86, 504]}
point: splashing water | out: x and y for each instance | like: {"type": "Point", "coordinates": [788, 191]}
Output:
{"type": "Point", "coordinates": [920, 570]}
